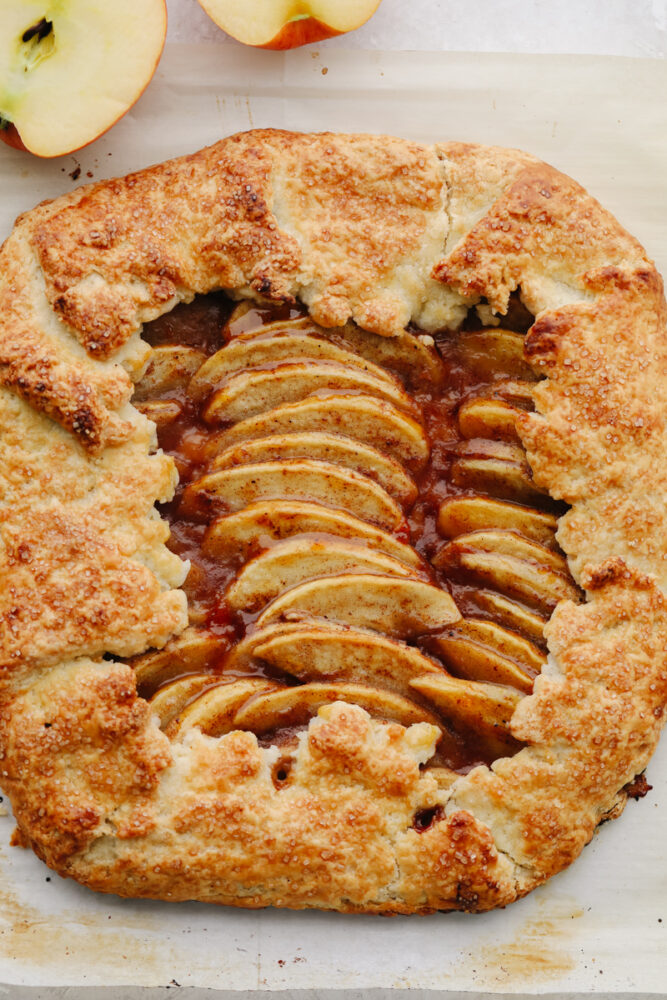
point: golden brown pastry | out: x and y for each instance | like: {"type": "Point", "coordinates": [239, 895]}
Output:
{"type": "Point", "coordinates": [312, 782]}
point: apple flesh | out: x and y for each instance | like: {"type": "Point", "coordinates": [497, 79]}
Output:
{"type": "Point", "coordinates": [286, 24]}
{"type": "Point", "coordinates": [69, 69]}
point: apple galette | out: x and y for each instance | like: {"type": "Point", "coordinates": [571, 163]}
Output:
{"type": "Point", "coordinates": [333, 525]}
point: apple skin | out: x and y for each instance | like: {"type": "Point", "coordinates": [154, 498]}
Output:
{"type": "Point", "coordinates": [276, 25]}
{"type": "Point", "coordinates": [11, 137]}
{"type": "Point", "coordinates": [305, 31]}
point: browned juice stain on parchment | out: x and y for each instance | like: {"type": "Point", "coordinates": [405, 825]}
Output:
{"type": "Point", "coordinates": [38, 939]}
{"type": "Point", "coordinates": [540, 949]}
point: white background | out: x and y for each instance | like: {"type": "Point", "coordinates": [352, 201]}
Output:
{"type": "Point", "coordinates": [604, 27]}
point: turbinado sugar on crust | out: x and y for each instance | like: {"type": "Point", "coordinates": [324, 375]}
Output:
{"type": "Point", "coordinates": [333, 525]}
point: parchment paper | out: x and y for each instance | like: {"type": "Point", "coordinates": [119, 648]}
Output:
{"type": "Point", "coordinates": [602, 925]}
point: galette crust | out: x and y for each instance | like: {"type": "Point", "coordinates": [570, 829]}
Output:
{"type": "Point", "coordinates": [383, 232]}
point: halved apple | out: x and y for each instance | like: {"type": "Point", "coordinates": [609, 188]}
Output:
{"type": "Point", "coordinates": [69, 69]}
{"type": "Point", "coordinates": [286, 24]}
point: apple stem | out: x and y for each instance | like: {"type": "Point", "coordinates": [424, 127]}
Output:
{"type": "Point", "coordinates": [4, 123]}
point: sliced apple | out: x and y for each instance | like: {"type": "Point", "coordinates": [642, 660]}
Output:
{"type": "Point", "coordinates": [407, 353]}
{"type": "Point", "coordinates": [248, 531]}
{"type": "Point", "coordinates": [461, 515]}
{"type": "Point", "coordinates": [527, 655]}
{"type": "Point", "coordinates": [498, 468]}
{"type": "Point", "coordinates": [170, 367]}
{"type": "Point", "coordinates": [326, 652]}
{"type": "Point", "coordinates": [476, 661]}
{"type": "Point", "coordinates": [214, 711]}
{"type": "Point", "coordinates": [494, 351]}
{"type": "Point", "coordinates": [488, 418]}
{"type": "Point", "coordinates": [389, 604]}
{"type": "Point", "coordinates": [511, 544]}
{"type": "Point", "coordinates": [470, 701]}
{"type": "Point", "coordinates": [241, 657]}
{"type": "Point", "coordinates": [287, 24]}
{"type": "Point", "coordinates": [237, 316]}
{"type": "Point", "coordinates": [332, 448]}
{"type": "Point", "coordinates": [256, 391]}
{"type": "Point", "coordinates": [192, 651]}
{"type": "Point", "coordinates": [518, 392]}
{"type": "Point", "coordinates": [295, 560]}
{"type": "Point", "coordinates": [412, 355]}
{"type": "Point", "coordinates": [512, 614]}
{"type": "Point", "coordinates": [238, 327]}
{"type": "Point", "coordinates": [296, 705]}
{"type": "Point", "coordinates": [485, 708]}
{"type": "Point", "coordinates": [252, 351]}
{"type": "Point", "coordinates": [540, 587]}
{"type": "Point", "coordinates": [298, 479]}
{"type": "Point", "coordinates": [69, 70]}
{"type": "Point", "coordinates": [172, 698]}
{"type": "Point", "coordinates": [481, 447]}
{"type": "Point", "coordinates": [510, 480]}
{"type": "Point", "coordinates": [161, 411]}
{"type": "Point", "coordinates": [365, 418]}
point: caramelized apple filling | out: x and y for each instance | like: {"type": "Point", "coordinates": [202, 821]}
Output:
{"type": "Point", "coordinates": [362, 525]}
